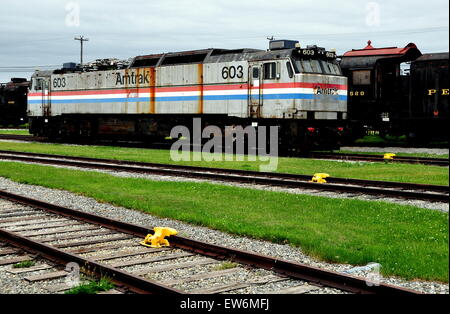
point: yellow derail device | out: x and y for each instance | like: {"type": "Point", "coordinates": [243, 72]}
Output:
{"type": "Point", "coordinates": [319, 177]}
{"type": "Point", "coordinates": [157, 239]}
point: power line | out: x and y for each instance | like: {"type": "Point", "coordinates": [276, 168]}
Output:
{"type": "Point", "coordinates": [29, 66]}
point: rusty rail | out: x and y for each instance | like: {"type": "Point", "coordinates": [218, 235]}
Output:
{"type": "Point", "coordinates": [384, 188]}
{"type": "Point", "coordinates": [142, 144]}
{"type": "Point", "coordinates": [121, 278]}
{"type": "Point", "coordinates": [380, 158]}
{"type": "Point", "coordinates": [295, 270]}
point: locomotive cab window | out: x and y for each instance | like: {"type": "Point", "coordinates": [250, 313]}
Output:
{"type": "Point", "coordinates": [289, 69]}
{"type": "Point", "coordinates": [309, 66]}
{"type": "Point", "coordinates": [306, 66]}
{"type": "Point", "coordinates": [316, 66]}
{"type": "Point", "coordinates": [330, 68]}
{"type": "Point", "coordinates": [270, 71]}
{"type": "Point", "coordinates": [255, 73]}
{"type": "Point", "coordinates": [38, 84]}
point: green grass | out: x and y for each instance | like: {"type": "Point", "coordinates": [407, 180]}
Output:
{"type": "Point", "coordinates": [24, 264]}
{"type": "Point", "coordinates": [92, 287]}
{"type": "Point", "coordinates": [225, 265]}
{"type": "Point", "coordinates": [376, 139]}
{"type": "Point", "coordinates": [15, 132]}
{"type": "Point", "coordinates": [422, 155]}
{"type": "Point", "coordinates": [407, 241]}
{"type": "Point", "coordinates": [371, 171]}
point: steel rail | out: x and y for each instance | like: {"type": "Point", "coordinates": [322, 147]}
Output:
{"type": "Point", "coordinates": [295, 270]}
{"type": "Point", "coordinates": [347, 156]}
{"type": "Point", "coordinates": [379, 158]}
{"type": "Point", "coordinates": [392, 189]}
{"type": "Point", "coordinates": [121, 278]}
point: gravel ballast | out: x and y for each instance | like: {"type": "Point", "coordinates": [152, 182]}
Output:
{"type": "Point", "coordinates": [287, 252]}
{"type": "Point", "coordinates": [440, 206]}
{"type": "Point", "coordinates": [410, 150]}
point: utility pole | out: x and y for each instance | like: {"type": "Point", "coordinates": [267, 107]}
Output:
{"type": "Point", "coordinates": [81, 39]}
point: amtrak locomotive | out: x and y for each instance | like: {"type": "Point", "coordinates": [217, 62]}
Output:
{"type": "Point", "coordinates": [301, 90]}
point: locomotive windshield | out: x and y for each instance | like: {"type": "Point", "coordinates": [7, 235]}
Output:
{"type": "Point", "coordinates": [315, 61]}
{"type": "Point", "coordinates": [316, 66]}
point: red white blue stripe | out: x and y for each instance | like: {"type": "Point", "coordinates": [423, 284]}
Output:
{"type": "Point", "coordinates": [191, 93]}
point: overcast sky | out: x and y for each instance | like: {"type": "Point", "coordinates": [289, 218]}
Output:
{"type": "Point", "coordinates": [40, 33]}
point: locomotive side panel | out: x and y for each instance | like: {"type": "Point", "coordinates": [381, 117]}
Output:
{"type": "Point", "coordinates": [226, 90]}
{"type": "Point", "coordinates": [178, 89]}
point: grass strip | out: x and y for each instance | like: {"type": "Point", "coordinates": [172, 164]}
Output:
{"type": "Point", "coordinates": [24, 264]}
{"type": "Point", "coordinates": [92, 287]}
{"type": "Point", "coordinates": [358, 170]}
{"type": "Point", "coordinates": [407, 241]}
{"type": "Point", "coordinates": [420, 155]}
{"type": "Point", "coordinates": [376, 139]}
{"type": "Point", "coordinates": [15, 132]}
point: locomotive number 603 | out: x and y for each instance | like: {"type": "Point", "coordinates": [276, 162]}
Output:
{"type": "Point", "coordinates": [232, 72]}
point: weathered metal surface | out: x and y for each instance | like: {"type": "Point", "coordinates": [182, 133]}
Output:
{"type": "Point", "coordinates": [207, 81]}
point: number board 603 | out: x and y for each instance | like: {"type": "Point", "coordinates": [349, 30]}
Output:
{"type": "Point", "coordinates": [308, 52]}
{"type": "Point", "coordinates": [232, 72]}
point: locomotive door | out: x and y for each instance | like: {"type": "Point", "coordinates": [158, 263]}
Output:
{"type": "Point", "coordinates": [46, 103]}
{"type": "Point", "coordinates": [255, 90]}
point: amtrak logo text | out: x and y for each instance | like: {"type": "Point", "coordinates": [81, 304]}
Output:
{"type": "Point", "coordinates": [133, 78]}
{"type": "Point", "coordinates": [325, 91]}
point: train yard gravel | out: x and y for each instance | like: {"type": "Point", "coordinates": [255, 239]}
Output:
{"type": "Point", "coordinates": [440, 206]}
{"type": "Point", "coordinates": [411, 150]}
{"type": "Point", "coordinates": [287, 252]}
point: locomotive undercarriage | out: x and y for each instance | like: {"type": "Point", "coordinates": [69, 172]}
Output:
{"type": "Point", "coordinates": [294, 136]}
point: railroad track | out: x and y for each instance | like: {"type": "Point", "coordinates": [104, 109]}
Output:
{"type": "Point", "coordinates": [31, 228]}
{"type": "Point", "coordinates": [379, 158]}
{"type": "Point", "coordinates": [432, 193]}
{"type": "Point", "coordinates": [332, 156]}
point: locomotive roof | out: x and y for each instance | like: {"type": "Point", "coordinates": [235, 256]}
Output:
{"type": "Point", "coordinates": [42, 73]}
{"type": "Point", "coordinates": [369, 56]}
{"type": "Point", "coordinates": [249, 55]}
{"type": "Point", "coordinates": [433, 56]}
{"type": "Point", "coordinates": [369, 50]}
{"type": "Point", "coordinates": [210, 55]}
